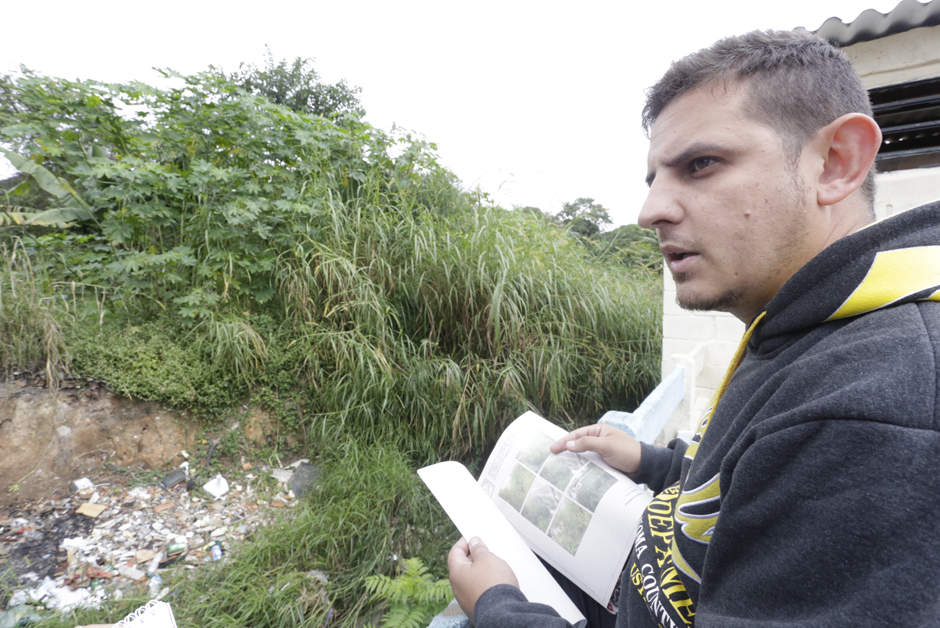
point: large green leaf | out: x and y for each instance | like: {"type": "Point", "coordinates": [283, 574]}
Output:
{"type": "Point", "coordinates": [13, 215]}
{"type": "Point", "coordinates": [61, 216]}
{"type": "Point", "coordinates": [46, 180]}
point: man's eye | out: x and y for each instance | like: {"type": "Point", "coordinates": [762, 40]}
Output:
{"type": "Point", "coordinates": [700, 163]}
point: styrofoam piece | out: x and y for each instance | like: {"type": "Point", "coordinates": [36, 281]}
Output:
{"type": "Point", "coordinates": [217, 486]}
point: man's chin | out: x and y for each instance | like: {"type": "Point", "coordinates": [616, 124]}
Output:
{"type": "Point", "coordinates": [724, 302]}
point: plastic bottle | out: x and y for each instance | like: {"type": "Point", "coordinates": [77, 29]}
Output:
{"type": "Point", "coordinates": [156, 583]}
{"type": "Point", "coordinates": [216, 551]}
{"type": "Point", "coordinates": [154, 564]}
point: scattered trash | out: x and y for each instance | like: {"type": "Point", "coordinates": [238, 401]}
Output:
{"type": "Point", "coordinates": [319, 575]}
{"type": "Point", "coordinates": [66, 552]}
{"type": "Point", "coordinates": [91, 510]}
{"type": "Point", "coordinates": [155, 584]}
{"type": "Point", "coordinates": [304, 478]}
{"type": "Point", "coordinates": [80, 485]}
{"type": "Point", "coordinates": [58, 598]}
{"type": "Point", "coordinates": [19, 616]}
{"type": "Point", "coordinates": [217, 486]}
{"type": "Point", "coordinates": [281, 475]}
{"type": "Point", "coordinates": [154, 564]}
{"type": "Point", "coordinates": [175, 477]}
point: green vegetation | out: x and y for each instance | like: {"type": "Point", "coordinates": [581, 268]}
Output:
{"type": "Point", "coordinates": [629, 245]}
{"type": "Point", "coordinates": [413, 598]}
{"type": "Point", "coordinates": [205, 247]}
{"type": "Point", "coordinates": [559, 470]}
{"type": "Point", "coordinates": [591, 486]}
{"type": "Point", "coordinates": [540, 504]}
{"type": "Point", "coordinates": [569, 525]}
{"type": "Point", "coordinates": [536, 451]}
{"type": "Point", "coordinates": [298, 87]}
{"type": "Point", "coordinates": [517, 486]}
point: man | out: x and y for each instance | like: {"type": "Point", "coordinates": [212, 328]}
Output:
{"type": "Point", "coordinates": [809, 495]}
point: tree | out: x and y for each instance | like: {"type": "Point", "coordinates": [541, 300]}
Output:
{"type": "Point", "coordinates": [535, 211]}
{"type": "Point", "coordinates": [633, 246]}
{"type": "Point", "coordinates": [584, 217]}
{"type": "Point", "coordinates": [298, 87]}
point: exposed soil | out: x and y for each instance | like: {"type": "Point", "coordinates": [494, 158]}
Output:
{"type": "Point", "coordinates": [107, 535]}
{"type": "Point", "coordinates": [48, 438]}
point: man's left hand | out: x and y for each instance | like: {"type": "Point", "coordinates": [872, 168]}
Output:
{"type": "Point", "coordinates": [474, 569]}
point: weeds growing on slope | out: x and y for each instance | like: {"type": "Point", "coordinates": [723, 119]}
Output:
{"type": "Point", "coordinates": [232, 249]}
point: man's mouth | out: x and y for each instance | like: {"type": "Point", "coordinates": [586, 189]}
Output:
{"type": "Point", "coordinates": [677, 259]}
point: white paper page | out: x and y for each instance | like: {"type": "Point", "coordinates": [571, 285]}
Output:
{"type": "Point", "coordinates": [475, 515]}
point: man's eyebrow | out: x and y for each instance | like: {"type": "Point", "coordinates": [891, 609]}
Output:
{"type": "Point", "coordinates": [699, 149]}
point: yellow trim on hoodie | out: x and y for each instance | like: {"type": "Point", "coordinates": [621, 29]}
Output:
{"type": "Point", "coordinates": [894, 276]}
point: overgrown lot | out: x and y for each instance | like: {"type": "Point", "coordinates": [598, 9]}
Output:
{"type": "Point", "coordinates": [203, 247]}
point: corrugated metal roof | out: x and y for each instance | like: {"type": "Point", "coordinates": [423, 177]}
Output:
{"type": "Point", "coordinates": [871, 24]}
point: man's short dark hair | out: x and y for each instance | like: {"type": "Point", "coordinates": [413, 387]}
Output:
{"type": "Point", "coordinates": [797, 82]}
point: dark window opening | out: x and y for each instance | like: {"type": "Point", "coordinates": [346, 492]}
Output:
{"type": "Point", "coordinates": [909, 117]}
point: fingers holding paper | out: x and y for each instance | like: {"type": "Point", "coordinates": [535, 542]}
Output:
{"type": "Point", "coordinates": [474, 569]}
{"type": "Point", "coordinates": [616, 447]}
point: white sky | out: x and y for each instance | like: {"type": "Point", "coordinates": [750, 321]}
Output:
{"type": "Point", "coordinates": [538, 103]}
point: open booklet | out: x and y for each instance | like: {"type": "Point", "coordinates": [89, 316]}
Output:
{"type": "Point", "coordinates": [574, 510]}
{"type": "Point", "coordinates": [154, 614]}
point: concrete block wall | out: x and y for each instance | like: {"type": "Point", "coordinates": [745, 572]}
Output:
{"type": "Point", "coordinates": [905, 189]}
{"type": "Point", "coordinates": [705, 342]}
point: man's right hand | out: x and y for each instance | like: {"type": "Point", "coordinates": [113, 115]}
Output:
{"type": "Point", "coordinates": [616, 447]}
{"type": "Point", "coordinates": [474, 569]}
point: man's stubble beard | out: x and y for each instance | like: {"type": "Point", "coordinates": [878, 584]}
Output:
{"type": "Point", "coordinates": [698, 303]}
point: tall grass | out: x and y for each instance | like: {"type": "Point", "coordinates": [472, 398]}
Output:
{"type": "Point", "coordinates": [434, 332]}
{"type": "Point", "coordinates": [233, 342]}
{"type": "Point", "coordinates": [33, 311]}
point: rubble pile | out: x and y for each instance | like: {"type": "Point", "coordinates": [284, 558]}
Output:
{"type": "Point", "coordinates": [109, 540]}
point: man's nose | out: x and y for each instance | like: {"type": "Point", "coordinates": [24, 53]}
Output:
{"type": "Point", "coordinates": [661, 207]}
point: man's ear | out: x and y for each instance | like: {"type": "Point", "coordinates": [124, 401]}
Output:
{"type": "Point", "coordinates": [853, 141]}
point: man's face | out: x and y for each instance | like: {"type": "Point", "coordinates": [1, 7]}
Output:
{"type": "Point", "coordinates": [730, 206]}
